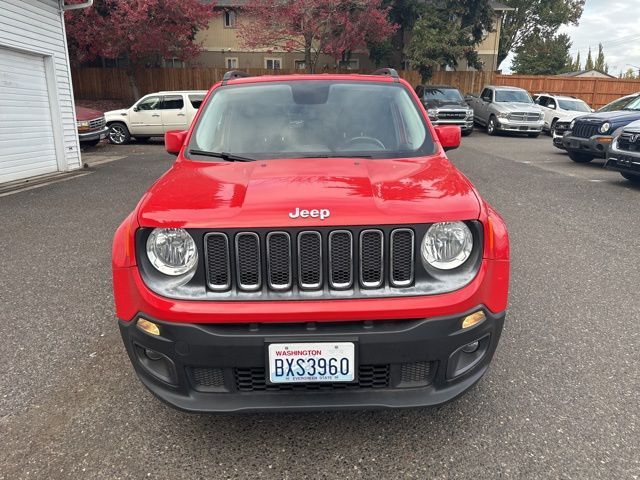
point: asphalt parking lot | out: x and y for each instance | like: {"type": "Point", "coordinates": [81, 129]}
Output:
{"type": "Point", "coordinates": [560, 401]}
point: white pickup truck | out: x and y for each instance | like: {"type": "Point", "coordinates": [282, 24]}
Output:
{"type": "Point", "coordinates": [507, 109]}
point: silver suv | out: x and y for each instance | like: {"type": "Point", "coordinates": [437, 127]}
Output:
{"type": "Point", "coordinates": [507, 109]}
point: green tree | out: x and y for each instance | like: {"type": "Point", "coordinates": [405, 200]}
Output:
{"type": "Point", "coordinates": [535, 17]}
{"type": "Point", "coordinates": [601, 64]}
{"type": "Point", "coordinates": [589, 64]}
{"type": "Point", "coordinates": [629, 74]}
{"type": "Point", "coordinates": [577, 66]}
{"type": "Point", "coordinates": [448, 32]}
{"type": "Point", "coordinates": [543, 56]}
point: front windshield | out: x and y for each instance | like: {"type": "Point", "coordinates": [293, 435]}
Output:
{"type": "Point", "coordinates": [633, 105]}
{"type": "Point", "coordinates": [293, 119]}
{"type": "Point", "coordinates": [574, 105]}
{"type": "Point", "coordinates": [618, 104]}
{"type": "Point", "coordinates": [442, 94]}
{"type": "Point", "coordinates": [512, 96]}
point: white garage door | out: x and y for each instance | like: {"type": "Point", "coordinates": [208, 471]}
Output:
{"type": "Point", "coordinates": [26, 133]}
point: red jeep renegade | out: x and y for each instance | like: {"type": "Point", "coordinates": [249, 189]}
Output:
{"type": "Point", "coordinates": [311, 248]}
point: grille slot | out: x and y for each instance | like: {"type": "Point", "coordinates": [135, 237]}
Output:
{"type": "Point", "coordinates": [248, 261]}
{"type": "Point", "coordinates": [310, 260]}
{"type": "Point", "coordinates": [416, 373]}
{"type": "Point", "coordinates": [340, 259]}
{"type": "Point", "coordinates": [371, 258]}
{"type": "Point", "coordinates": [208, 377]}
{"type": "Point", "coordinates": [218, 261]}
{"type": "Point", "coordinates": [625, 141]}
{"type": "Point", "coordinates": [369, 376]}
{"type": "Point", "coordinates": [585, 130]}
{"type": "Point", "coordinates": [279, 260]}
{"type": "Point", "coordinates": [402, 257]}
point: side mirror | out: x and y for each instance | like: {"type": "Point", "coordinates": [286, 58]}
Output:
{"type": "Point", "coordinates": [449, 136]}
{"type": "Point", "coordinates": [136, 109]}
{"type": "Point", "coordinates": [174, 140]}
{"type": "Point", "coordinates": [552, 106]}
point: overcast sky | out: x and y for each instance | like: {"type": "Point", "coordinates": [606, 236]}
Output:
{"type": "Point", "coordinates": [614, 23]}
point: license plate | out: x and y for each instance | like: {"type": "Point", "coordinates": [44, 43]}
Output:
{"type": "Point", "coordinates": [311, 362]}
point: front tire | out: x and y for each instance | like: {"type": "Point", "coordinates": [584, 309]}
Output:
{"type": "Point", "coordinates": [492, 126]}
{"type": "Point", "coordinates": [580, 157]}
{"type": "Point", "coordinates": [632, 177]}
{"type": "Point", "coordinates": [552, 129]}
{"type": "Point", "coordinates": [119, 134]}
{"type": "Point", "coordinates": [466, 133]}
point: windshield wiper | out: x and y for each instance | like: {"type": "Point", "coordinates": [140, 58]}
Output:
{"type": "Point", "coordinates": [230, 157]}
{"type": "Point", "coordinates": [336, 155]}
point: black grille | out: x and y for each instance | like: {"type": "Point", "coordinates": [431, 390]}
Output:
{"type": "Point", "coordinates": [341, 259]}
{"type": "Point", "coordinates": [279, 258]}
{"type": "Point", "coordinates": [208, 377]}
{"type": "Point", "coordinates": [217, 251]}
{"type": "Point", "coordinates": [629, 142]}
{"type": "Point", "coordinates": [416, 372]}
{"type": "Point", "coordinates": [452, 115]}
{"type": "Point", "coordinates": [310, 259]}
{"type": "Point", "coordinates": [371, 258]}
{"type": "Point", "coordinates": [585, 130]}
{"type": "Point", "coordinates": [561, 127]}
{"type": "Point", "coordinates": [280, 261]}
{"type": "Point", "coordinates": [248, 259]}
{"type": "Point", "coordinates": [369, 376]}
{"type": "Point", "coordinates": [402, 257]}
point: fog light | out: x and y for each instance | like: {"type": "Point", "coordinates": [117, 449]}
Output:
{"type": "Point", "coordinates": [473, 319]}
{"type": "Point", "coordinates": [153, 355]}
{"type": "Point", "coordinates": [470, 347]}
{"type": "Point", "coordinates": [148, 327]}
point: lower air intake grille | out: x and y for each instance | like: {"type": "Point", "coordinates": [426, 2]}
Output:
{"type": "Point", "coordinates": [416, 373]}
{"type": "Point", "coordinates": [369, 376]}
{"type": "Point", "coordinates": [208, 377]}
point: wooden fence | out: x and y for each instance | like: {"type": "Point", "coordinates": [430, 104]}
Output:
{"type": "Point", "coordinates": [114, 84]}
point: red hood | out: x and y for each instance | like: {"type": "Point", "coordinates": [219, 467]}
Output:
{"type": "Point", "coordinates": [262, 193]}
{"type": "Point", "coordinates": [87, 114]}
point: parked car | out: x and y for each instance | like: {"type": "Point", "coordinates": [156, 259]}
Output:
{"type": "Point", "coordinates": [312, 247]}
{"type": "Point", "coordinates": [590, 136]}
{"type": "Point", "coordinates": [560, 128]}
{"type": "Point", "coordinates": [446, 106]}
{"type": "Point", "coordinates": [624, 154]}
{"type": "Point", "coordinates": [153, 115]}
{"type": "Point", "coordinates": [558, 107]}
{"type": "Point", "coordinates": [91, 126]}
{"type": "Point", "coordinates": [507, 109]}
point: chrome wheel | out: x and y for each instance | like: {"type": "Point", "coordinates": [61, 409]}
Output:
{"type": "Point", "coordinates": [118, 134]}
{"type": "Point", "coordinates": [491, 126]}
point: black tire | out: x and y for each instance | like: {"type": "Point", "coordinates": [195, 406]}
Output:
{"type": "Point", "coordinates": [552, 129]}
{"type": "Point", "coordinates": [533, 135]}
{"type": "Point", "coordinates": [142, 139]}
{"type": "Point", "coordinates": [118, 134]}
{"type": "Point", "coordinates": [580, 157]}
{"type": "Point", "coordinates": [90, 143]}
{"type": "Point", "coordinates": [492, 128]}
{"type": "Point", "coordinates": [632, 177]}
{"type": "Point", "coordinates": [466, 133]}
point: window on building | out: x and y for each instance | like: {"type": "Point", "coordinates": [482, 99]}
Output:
{"type": "Point", "coordinates": [229, 19]}
{"type": "Point", "coordinates": [273, 63]}
{"type": "Point", "coordinates": [231, 62]}
{"type": "Point", "coordinates": [173, 63]}
{"type": "Point", "coordinates": [300, 64]}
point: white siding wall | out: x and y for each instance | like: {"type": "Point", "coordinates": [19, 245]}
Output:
{"type": "Point", "coordinates": [38, 26]}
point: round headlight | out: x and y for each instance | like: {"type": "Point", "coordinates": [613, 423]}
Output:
{"type": "Point", "coordinates": [447, 245]}
{"type": "Point", "coordinates": [172, 251]}
{"type": "Point", "coordinates": [605, 127]}
{"type": "Point", "coordinates": [572, 124]}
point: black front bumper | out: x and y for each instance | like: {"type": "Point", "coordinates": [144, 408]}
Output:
{"type": "Point", "coordinates": [221, 368]}
{"type": "Point", "coordinates": [593, 146]}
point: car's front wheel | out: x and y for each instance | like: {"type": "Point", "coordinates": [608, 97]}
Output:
{"type": "Point", "coordinates": [552, 129]}
{"type": "Point", "coordinates": [492, 126]}
{"type": "Point", "coordinates": [632, 177]}
{"type": "Point", "coordinates": [579, 157]}
{"type": "Point", "coordinates": [119, 134]}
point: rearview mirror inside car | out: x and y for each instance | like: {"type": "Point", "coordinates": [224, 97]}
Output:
{"type": "Point", "coordinates": [173, 141]}
{"type": "Point", "coordinates": [449, 136]}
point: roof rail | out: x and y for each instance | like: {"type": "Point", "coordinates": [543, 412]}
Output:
{"type": "Point", "coordinates": [390, 72]}
{"type": "Point", "coordinates": [232, 74]}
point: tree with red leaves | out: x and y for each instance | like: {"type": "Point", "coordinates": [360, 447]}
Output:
{"type": "Point", "coordinates": [143, 31]}
{"type": "Point", "coordinates": [314, 27]}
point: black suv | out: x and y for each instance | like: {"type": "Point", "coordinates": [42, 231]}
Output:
{"type": "Point", "coordinates": [446, 106]}
{"type": "Point", "coordinates": [589, 136]}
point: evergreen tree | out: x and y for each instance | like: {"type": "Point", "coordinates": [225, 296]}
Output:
{"type": "Point", "coordinates": [543, 56]}
{"type": "Point", "coordinates": [600, 64]}
{"type": "Point", "coordinates": [589, 64]}
{"type": "Point", "coordinates": [577, 66]}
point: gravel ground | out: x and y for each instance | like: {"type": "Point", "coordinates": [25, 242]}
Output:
{"type": "Point", "coordinates": [561, 399]}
